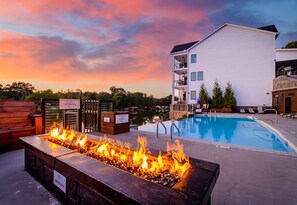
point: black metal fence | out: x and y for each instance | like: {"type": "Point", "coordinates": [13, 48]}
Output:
{"type": "Point", "coordinates": [90, 114]}
{"type": "Point", "coordinates": [85, 119]}
{"type": "Point", "coordinates": [50, 113]}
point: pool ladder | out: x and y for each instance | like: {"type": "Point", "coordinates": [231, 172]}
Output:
{"type": "Point", "coordinates": [171, 128]}
{"type": "Point", "coordinates": [158, 128]}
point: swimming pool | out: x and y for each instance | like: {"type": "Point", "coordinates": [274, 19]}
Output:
{"type": "Point", "coordinates": [231, 130]}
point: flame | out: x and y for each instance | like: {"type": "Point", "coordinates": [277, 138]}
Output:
{"type": "Point", "coordinates": [111, 150]}
{"type": "Point", "coordinates": [82, 141]}
{"type": "Point", "coordinates": [55, 132]}
{"type": "Point", "coordinates": [181, 161]}
{"type": "Point", "coordinates": [139, 157]}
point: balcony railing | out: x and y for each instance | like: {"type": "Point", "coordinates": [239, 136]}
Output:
{"type": "Point", "coordinates": [183, 107]}
{"type": "Point", "coordinates": [180, 82]}
{"type": "Point", "coordinates": [180, 65]}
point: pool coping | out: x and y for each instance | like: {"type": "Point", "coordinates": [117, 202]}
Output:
{"type": "Point", "coordinates": [281, 133]}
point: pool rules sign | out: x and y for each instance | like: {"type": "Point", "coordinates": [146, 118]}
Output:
{"type": "Point", "coordinates": [60, 181]}
{"type": "Point", "coordinates": [69, 104]}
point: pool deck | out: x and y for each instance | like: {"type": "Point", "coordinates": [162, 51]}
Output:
{"type": "Point", "coordinates": [247, 176]}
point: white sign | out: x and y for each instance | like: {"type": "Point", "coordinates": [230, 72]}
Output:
{"type": "Point", "coordinates": [106, 119]}
{"type": "Point", "coordinates": [123, 118]}
{"type": "Point", "coordinates": [60, 181]}
{"type": "Point", "coordinates": [69, 104]}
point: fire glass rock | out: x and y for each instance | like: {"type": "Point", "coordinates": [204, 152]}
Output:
{"type": "Point", "coordinates": [165, 169]}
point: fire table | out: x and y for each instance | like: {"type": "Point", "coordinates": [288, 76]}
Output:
{"type": "Point", "coordinates": [78, 179]}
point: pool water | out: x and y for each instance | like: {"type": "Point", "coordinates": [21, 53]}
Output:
{"type": "Point", "coordinates": [230, 130]}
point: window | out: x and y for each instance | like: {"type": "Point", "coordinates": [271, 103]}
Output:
{"type": "Point", "coordinates": [193, 95]}
{"type": "Point", "coordinates": [200, 75]}
{"type": "Point", "coordinates": [193, 76]}
{"type": "Point", "coordinates": [193, 58]}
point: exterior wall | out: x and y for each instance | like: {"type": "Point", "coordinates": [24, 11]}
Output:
{"type": "Point", "coordinates": [279, 100]}
{"type": "Point", "coordinates": [179, 114]}
{"type": "Point", "coordinates": [242, 56]}
{"type": "Point", "coordinates": [285, 54]}
{"type": "Point", "coordinates": [284, 87]}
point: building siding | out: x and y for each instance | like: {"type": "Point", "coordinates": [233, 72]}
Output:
{"type": "Point", "coordinates": [241, 56]}
{"type": "Point", "coordinates": [285, 54]}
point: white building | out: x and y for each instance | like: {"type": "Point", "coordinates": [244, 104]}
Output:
{"type": "Point", "coordinates": [243, 56]}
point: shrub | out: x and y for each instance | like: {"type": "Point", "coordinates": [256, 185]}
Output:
{"type": "Point", "coordinates": [203, 95]}
{"type": "Point", "coordinates": [217, 95]}
{"type": "Point", "coordinates": [229, 100]}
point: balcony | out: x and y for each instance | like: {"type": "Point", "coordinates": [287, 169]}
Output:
{"type": "Point", "coordinates": [182, 83]}
{"type": "Point", "coordinates": [180, 68]}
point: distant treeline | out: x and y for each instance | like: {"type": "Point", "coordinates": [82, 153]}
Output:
{"type": "Point", "coordinates": [121, 97]}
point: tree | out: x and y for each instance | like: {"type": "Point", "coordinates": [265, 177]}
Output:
{"type": "Point", "coordinates": [203, 95]}
{"type": "Point", "coordinates": [17, 91]}
{"type": "Point", "coordinates": [292, 44]}
{"type": "Point", "coordinates": [89, 95]}
{"type": "Point", "coordinates": [229, 100]}
{"type": "Point", "coordinates": [165, 101]}
{"type": "Point", "coordinates": [114, 90]}
{"type": "Point", "coordinates": [38, 95]}
{"type": "Point", "coordinates": [117, 100]}
{"type": "Point", "coordinates": [104, 96]}
{"type": "Point", "coordinates": [2, 96]}
{"type": "Point", "coordinates": [217, 96]}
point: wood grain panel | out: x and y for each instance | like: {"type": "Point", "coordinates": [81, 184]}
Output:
{"type": "Point", "coordinates": [111, 127]}
{"type": "Point", "coordinates": [7, 120]}
{"type": "Point", "coordinates": [15, 103]}
{"type": "Point", "coordinates": [15, 122]}
{"type": "Point", "coordinates": [17, 109]}
{"type": "Point", "coordinates": [14, 114]}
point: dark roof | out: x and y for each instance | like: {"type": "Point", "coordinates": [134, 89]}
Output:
{"type": "Point", "coordinates": [182, 47]}
{"type": "Point", "coordinates": [271, 28]}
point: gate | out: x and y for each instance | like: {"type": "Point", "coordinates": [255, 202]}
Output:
{"type": "Point", "coordinates": [91, 110]}
{"type": "Point", "coordinates": [90, 116]}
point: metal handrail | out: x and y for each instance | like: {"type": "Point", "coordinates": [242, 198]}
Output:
{"type": "Point", "coordinates": [270, 109]}
{"type": "Point", "coordinates": [171, 128]}
{"type": "Point", "coordinates": [158, 128]}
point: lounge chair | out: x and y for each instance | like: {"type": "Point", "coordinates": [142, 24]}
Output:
{"type": "Point", "coordinates": [260, 109]}
{"type": "Point", "coordinates": [242, 111]}
{"type": "Point", "coordinates": [251, 110]}
{"type": "Point", "coordinates": [289, 115]}
{"type": "Point", "coordinates": [205, 108]}
{"type": "Point", "coordinates": [198, 111]}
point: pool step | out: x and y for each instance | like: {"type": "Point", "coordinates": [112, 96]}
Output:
{"type": "Point", "coordinates": [250, 124]}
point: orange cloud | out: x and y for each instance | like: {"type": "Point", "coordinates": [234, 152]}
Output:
{"type": "Point", "coordinates": [94, 44]}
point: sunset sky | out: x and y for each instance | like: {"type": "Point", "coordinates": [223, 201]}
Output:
{"type": "Point", "coordinates": [92, 45]}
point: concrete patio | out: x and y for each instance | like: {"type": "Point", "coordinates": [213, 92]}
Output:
{"type": "Point", "coordinates": [247, 176]}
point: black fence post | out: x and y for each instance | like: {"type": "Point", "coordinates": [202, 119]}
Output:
{"type": "Point", "coordinates": [43, 114]}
